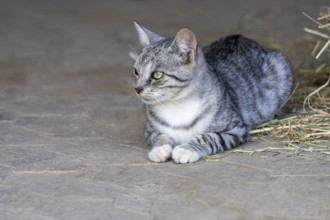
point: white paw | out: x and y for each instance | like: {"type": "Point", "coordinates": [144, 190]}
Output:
{"type": "Point", "coordinates": [183, 155]}
{"type": "Point", "coordinates": [160, 154]}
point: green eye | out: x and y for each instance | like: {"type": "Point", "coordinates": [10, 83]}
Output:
{"type": "Point", "coordinates": [157, 75]}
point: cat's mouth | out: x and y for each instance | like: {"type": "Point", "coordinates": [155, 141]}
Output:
{"type": "Point", "coordinates": [152, 101]}
{"type": "Point", "coordinates": [149, 101]}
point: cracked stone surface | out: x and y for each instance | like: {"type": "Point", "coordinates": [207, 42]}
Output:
{"type": "Point", "coordinates": [71, 128]}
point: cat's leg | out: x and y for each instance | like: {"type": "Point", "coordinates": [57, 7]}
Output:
{"type": "Point", "coordinates": [208, 144]}
{"type": "Point", "coordinates": [161, 147]}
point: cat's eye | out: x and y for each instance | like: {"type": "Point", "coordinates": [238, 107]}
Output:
{"type": "Point", "coordinates": [157, 75]}
{"type": "Point", "coordinates": [135, 72]}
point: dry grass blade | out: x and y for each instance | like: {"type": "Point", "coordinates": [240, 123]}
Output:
{"type": "Point", "coordinates": [324, 25]}
{"type": "Point", "coordinates": [307, 100]}
{"type": "Point", "coordinates": [317, 33]}
{"type": "Point", "coordinates": [324, 15]}
{"type": "Point", "coordinates": [312, 19]}
{"type": "Point", "coordinates": [323, 49]}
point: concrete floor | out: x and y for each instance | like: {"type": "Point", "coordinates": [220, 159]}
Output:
{"type": "Point", "coordinates": [71, 127]}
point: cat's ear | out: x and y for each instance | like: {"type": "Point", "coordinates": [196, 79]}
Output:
{"type": "Point", "coordinates": [146, 36]}
{"type": "Point", "coordinates": [186, 42]}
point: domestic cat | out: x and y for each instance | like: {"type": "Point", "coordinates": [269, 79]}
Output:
{"type": "Point", "coordinates": [202, 101]}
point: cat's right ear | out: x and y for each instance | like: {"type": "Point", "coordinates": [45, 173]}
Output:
{"type": "Point", "coordinates": [186, 42]}
{"type": "Point", "coordinates": [146, 36]}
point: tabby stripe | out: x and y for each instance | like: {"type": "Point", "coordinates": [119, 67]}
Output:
{"type": "Point", "coordinates": [226, 145]}
{"type": "Point", "coordinates": [233, 142]}
{"type": "Point", "coordinates": [173, 86]}
{"type": "Point", "coordinates": [176, 78]}
{"type": "Point", "coordinates": [212, 143]}
{"type": "Point", "coordinates": [199, 141]}
{"type": "Point", "coordinates": [228, 141]}
{"type": "Point", "coordinates": [208, 143]}
{"type": "Point", "coordinates": [199, 147]}
{"type": "Point", "coordinates": [221, 142]}
{"type": "Point", "coordinates": [152, 137]}
{"type": "Point", "coordinates": [157, 119]}
{"type": "Point", "coordinates": [178, 86]}
{"type": "Point", "coordinates": [158, 139]}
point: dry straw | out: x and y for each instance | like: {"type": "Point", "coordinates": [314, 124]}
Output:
{"type": "Point", "coordinates": [324, 16]}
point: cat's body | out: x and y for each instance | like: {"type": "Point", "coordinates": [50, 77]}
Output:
{"type": "Point", "coordinates": [201, 102]}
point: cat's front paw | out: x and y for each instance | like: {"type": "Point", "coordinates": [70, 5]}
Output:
{"type": "Point", "coordinates": [160, 153]}
{"type": "Point", "coordinates": [182, 154]}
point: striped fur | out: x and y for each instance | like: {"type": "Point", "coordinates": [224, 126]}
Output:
{"type": "Point", "coordinates": [207, 100]}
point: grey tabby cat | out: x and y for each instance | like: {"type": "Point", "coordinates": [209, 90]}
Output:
{"type": "Point", "coordinates": [204, 101]}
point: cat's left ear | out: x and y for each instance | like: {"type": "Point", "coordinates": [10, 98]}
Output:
{"type": "Point", "coordinates": [146, 36]}
{"type": "Point", "coordinates": [186, 42]}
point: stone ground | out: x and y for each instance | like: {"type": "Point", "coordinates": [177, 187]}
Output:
{"type": "Point", "coordinates": [71, 128]}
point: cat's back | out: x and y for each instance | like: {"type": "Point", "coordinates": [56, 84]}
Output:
{"type": "Point", "coordinates": [258, 79]}
{"type": "Point", "coordinates": [232, 48]}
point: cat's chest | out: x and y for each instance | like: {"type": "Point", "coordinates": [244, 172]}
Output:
{"type": "Point", "coordinates": [183, 121]}
{"type": "Point", "coordinates": [181, 114]}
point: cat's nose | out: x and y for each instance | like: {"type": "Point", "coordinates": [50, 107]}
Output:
{"type": "Point", "coordinates": [138, 90]}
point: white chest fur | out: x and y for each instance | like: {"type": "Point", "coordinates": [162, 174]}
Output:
{"type": "Point", "coordinates": [180, 113]}
{"type": "Point", "coordinates": [180, 117]}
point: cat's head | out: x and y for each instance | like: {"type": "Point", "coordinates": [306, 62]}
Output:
{"type": "Point", "coordinates": [164, 68]}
